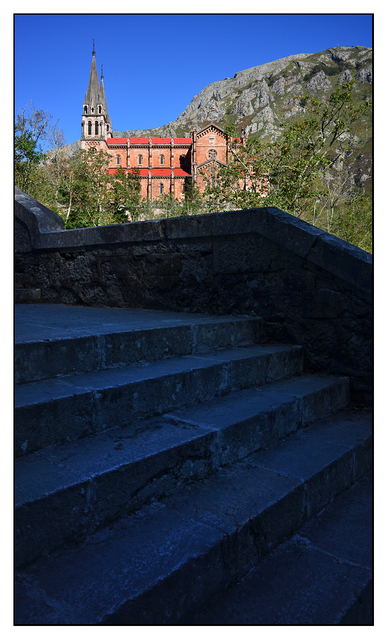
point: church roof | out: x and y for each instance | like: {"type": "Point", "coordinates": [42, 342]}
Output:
{"type": "Point", "coordinates": [116, 140]}
{"type": "Point", "coordinates": [146, 141]}
{"type": "Point", "coordinates": [139, 140]}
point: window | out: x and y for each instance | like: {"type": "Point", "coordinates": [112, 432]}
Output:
{"type": "Point", "coordinates": [161, 188]}
{"type": "Point", "coordinates": [99, 109]}
{"type": "Point", "coordinates": [96, 128]}
{"type": "Point", "coordinates": [89, 128]}
{"type": "Point", "coordinates": [212, 154]}
{"type": "Point", "coordinates": [117, 159]}
{"type": "Point", "coordinates": [85, 109]}
{"type": "Point", "coordinates": [139, 159]}
{"type": "Point", "coordinates": [161, 159]}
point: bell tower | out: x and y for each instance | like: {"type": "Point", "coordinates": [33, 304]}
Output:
{"type": "Point", "coordinates": [96, 124]}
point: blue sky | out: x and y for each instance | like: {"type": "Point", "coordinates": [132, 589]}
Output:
{"type": "Point", "coordinates": [155, 64]}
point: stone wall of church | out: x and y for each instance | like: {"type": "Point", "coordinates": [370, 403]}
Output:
{"type": "Point", "coordinates": [211, 145]}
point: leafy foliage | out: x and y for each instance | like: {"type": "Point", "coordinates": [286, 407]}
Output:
{"type": "Point", "coordinates": [32, 127]}
{"type": "Point", "coordinates": [306, 167]}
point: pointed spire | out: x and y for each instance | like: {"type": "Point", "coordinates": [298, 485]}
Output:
{"type": "Point", "coordinates": [91, 96]}
{"type": "Point", "coordinates": [95, 106]}
{"type": "Point", "coordinates": [102, 97]}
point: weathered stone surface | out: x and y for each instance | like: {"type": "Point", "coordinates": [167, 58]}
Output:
{"type": "Point", "coordinates": [27, 295]}
{"type": "Point", "coordinates": [127, 519]}
{"type": "Point", "coordinates": [328, 555]}
{"type": "Point", "coordinates": [309, 287]}
{"type": "Point", "coordinates": [172, 556]}
{"type": "Point", "coordinates": [91, 482]}
{"type": "Point", "coordinates": [58, 340]}
{"type": "Point", "coordinates": [64, 409]}
{"type": "Point", "coordinates": [319, 82]}
{"type": "Point", "coordinates": [35, 217]}
{"type": "Point", "coordinates": [22, 237]}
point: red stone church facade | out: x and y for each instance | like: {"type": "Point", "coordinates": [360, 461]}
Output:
{"type": "Point", "coordinates": [166, 165]}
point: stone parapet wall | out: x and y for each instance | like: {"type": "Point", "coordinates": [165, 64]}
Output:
{"type": "Point", "coordinates": [309, 287]}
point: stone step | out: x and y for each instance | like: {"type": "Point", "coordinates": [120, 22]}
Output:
{"type": "Point", "coordinates": [83, 486]}
{"type": "Point", "coordinates": [60, 410]}
{"type": "Point", "coordinates": [56, 340]}
{"type": "Point", "coordinates": [322, 576]}
{"type": "Point", "coordinates": [165, 561]}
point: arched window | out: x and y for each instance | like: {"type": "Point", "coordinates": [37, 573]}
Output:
{"type": "Point", "coordinates": [161, 188]}
{"type": "Point", "coordinates": [139, 159]}
{"type": "Point", "coordinates": [96, 128]}
{"type": "Point", "coordinates": [161, 159]}
{"type": "Point", "coordinates": [85, 109]}
{"type": "Point", "coordinates": [99, 109]}
{"type": "Point", "coordinates": [117, 159]}
{"type": "Point", "coordinates": [89, 128]}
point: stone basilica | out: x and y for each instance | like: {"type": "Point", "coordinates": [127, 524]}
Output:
{"type": "Point", "coordinates": [166, 165]}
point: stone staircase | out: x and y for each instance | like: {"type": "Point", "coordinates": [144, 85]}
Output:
{"type": "Point", "coordinates": [161, 457]}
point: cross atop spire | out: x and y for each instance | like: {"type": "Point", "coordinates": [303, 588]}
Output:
{"type": "Point", "coordinates": [93, 52]}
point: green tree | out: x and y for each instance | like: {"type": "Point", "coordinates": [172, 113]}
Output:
{"type": "Point", "coordinates": [91, 196]}
{"type": "Point", "coordinates": [33, 127]}
{"type": "Point", "coordinates": [294, 163]}
{"type": "Point", "coordinates": [124, 195]}
{"type": "Point", "coordinates": [311, 147]}
{"type": "Point", "coordinates": [86, 186]}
